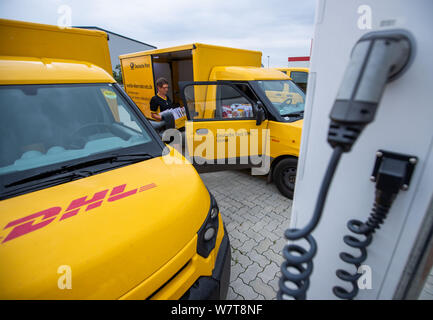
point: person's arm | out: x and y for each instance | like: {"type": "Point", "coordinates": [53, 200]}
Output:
{"type": "Point", "coordinates": [154, 109]}
{"type": "Point", "coordinates": [155, 116]}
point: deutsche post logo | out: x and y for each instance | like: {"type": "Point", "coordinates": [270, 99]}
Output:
{"type": "Point", "coordinates": [133, 65]}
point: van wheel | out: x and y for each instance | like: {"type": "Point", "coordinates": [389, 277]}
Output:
{"type": "Point", "coordinates": [284, 176]}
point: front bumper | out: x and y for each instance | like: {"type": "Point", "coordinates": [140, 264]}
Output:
{"type": "Point", "coordinates": [214, 287]}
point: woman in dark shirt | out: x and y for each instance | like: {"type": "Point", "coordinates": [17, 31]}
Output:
{"type": "Point", "coordinates": [160, 100]}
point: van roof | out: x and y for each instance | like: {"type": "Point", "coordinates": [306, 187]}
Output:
{"type": "Point", "coordinates": [29, 70]}
{"type": "Point", "coordinates": [294, 69]}
{"type": "Point", "coordinates": [27, 39]}
{"type": "Point", "coordinates": [181, 48]}
{"type": "Point", "coordinates": [49, 27]}
{"type": "Point", "coordinates": [246, 74]}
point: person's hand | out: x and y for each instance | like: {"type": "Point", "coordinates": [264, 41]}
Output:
{"type": "Point", "coordinates": [156, 116]}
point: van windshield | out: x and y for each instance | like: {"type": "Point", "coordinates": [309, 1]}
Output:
{"type": "Point", "coordinates": [300, 78]}
{"type": "Point", "coordinates": [285, 96]}
{"type": "Point", "coordinates": [48, 125]}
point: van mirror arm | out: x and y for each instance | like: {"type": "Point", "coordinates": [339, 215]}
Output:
{"type": "Point", "coordinates": [167, 122]}
{"type": "Point", "coordinates": [260, 115]}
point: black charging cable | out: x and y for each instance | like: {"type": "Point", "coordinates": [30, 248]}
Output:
{"type": "Point", "coordinates": [392, 173]}
{"type": "Point", "coordinates": [298, 264]}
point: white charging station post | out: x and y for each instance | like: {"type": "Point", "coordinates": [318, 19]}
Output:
{"type": "Point", "coordinates": [397, 257]}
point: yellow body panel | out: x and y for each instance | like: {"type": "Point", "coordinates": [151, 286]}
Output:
{"type": "Point", "coordinates": [234, 139]}
{"type": "Point", "coordinates": [207, 57]}
{"type": "Point", "coordinates": [157, 51]}
{"type": "Point", "coordinates": [112, 249]}
{"type": "Point", "coordinates": [285, 138]}
{"type": "Point", "coordinates": [287, 71]}
{"type": "Point", "coordinates": [225, 139]}
{"type": "Point", "coordinates": [25, 39]}
{"type": "Point", "coordinates": [25, 70]}
{"type": "Point", "coordinates": [195, 266]}
{"type": "Point", "coordinates": [245, 74]}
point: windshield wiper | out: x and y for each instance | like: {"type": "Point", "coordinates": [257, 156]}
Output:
{"type": "Point", "coordinates": [294, 114]}
{"type": "Point", "coordinates": [58, 179]}
{"type": "Point", "coordinates": [114, 158]}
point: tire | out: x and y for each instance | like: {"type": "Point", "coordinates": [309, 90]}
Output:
{"type": "Point", "coordinates": [284, 176]}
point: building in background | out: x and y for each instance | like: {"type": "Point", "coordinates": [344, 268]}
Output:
{"type": "Point", "coordinates": [300, 62]}
{"type": "Point", "coordinates": [118, 45]}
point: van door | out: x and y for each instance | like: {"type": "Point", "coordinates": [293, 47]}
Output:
{"type": "Point", "coordinates": [222, 131]}
{"type": "Point", "coordinates": [137, 75]}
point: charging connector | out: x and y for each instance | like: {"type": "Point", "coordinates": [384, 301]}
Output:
{"type": "Point", "coordinates": [377, 58]}
{"type": "Point", "coordinates": [392, 172]}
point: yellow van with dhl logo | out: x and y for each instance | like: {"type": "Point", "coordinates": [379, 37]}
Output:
{"type": "Point", "coordinates": [89, 207]}
{"type": "Point", "coordinates": [237, 114]}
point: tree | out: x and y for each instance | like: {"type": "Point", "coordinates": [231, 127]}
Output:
{"type": "Point", "coordinates": [117, 74]}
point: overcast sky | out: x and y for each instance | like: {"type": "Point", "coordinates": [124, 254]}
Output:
{"type": "Point", "coordinates": [278, 28]}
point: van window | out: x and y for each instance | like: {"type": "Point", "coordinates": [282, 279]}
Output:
{"type": "Point", "coordinates": [300, 78]}
{"type": "Point", "coordinates": [232, 104]}
{"type": "Point", "coordinates": [284, 95]}
{"type": "Point", "coordinates": [44, 125]}
{"type": "Point", "coordinates": [218, 102]}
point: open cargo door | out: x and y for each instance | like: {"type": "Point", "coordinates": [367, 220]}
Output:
{"type": "Point", "coordinates": [137, 73]}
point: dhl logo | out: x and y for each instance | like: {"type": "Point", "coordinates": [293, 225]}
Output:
{"type": "Point", "coordinates": [29, 224]}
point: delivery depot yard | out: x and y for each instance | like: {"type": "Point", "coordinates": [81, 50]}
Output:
{"type": "Point", "coordinates": [256, 215]}
{"type": "Point", "coordinates": [181, 249]}
{"type": "Point", "coordinates": [87, 183]}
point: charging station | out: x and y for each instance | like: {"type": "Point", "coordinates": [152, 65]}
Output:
{"type": "Point", "coordinates": [351, 72]}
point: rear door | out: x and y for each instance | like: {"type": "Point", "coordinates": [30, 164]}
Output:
{"type": "Point", "coordinates": [137, 75]}
{"type": "Point", "coordinates": [222, 130]}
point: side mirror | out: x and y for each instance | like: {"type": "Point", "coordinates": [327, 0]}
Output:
{"type": "Point", "coordinates": [260, 116]}
{"type": "Point", "coordinates": [168, 119]}
{"type": "Point", "coordinates": [167, 122]}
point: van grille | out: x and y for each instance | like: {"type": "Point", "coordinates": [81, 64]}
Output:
{"type": "Point", "coordinates": [165, 283]}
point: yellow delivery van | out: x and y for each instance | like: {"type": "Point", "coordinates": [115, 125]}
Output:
{"type": "Point", "coordinates": [238, 115]}
{"type": "Point", "coordinates": [89, 201]}
{"type": "Point", "coordinates": [297, 75]}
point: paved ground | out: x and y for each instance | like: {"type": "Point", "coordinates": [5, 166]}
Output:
{"type": "Point", "coordinates": [256, 215]}
{"type": "Point", "coordinates": [427, 291]}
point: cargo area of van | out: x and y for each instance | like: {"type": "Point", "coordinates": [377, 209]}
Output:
{"type": "Point", "coordinates": [192, 62]}
{"type": "Point", "coordinates": [25, 39]}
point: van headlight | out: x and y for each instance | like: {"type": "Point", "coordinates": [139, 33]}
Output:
{"type": "Point", "coordinates": [209, 230]}
{"type": "Point", "coordinates": [214, 212]}
{"type": "Point", "coordinates": [209, 234]}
